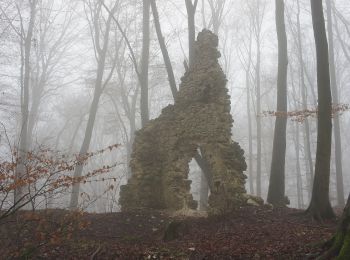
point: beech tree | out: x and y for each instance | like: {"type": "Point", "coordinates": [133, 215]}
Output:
{"type": "Point", "coordinates": [145, 62]}
{"type": "Point", "coordinates": [335, 96]}
{"type": "Point", "coordinates": [247, 64]}
{"type": "Point", "coordinates": [191, 13]}
{"type": "Point", "coordinates": [296, 141]}
{"type": "Point", "coordinates": [276, 193]}
{"type": "Point", "coordinates": [26, 52]}
{"type": "Point", "coordinates": [320, 207]}
{"type": "Point", "coordinates": [306, 128]}
{"type": "Point", "coordinates": [257, 13]}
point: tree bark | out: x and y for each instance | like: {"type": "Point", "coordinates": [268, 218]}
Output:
{"type": "Point", "coordinates": [164, 49]}
{"type": "Point", "coordinates": [250, 131]}
{"type": "Point", "coordinates": [320, 207]}
{"type": "Point", "coordinates": [276, 192]}
{"type": "Point", "coordinates": [145, 63]}
{"type": "Point", "coordinates": [298, 171]}
{"type": "Point", "coordinates": [191, 13]}
{"type": "Point", "coordinates": [258, 119]}
{"type": "Point", "coordinates": [296, 139]}
{"type": "Point", "coordinates": [206, 179]}
{"type": "Point", "coordinates": [23, 144]}
{"type": "Point", "coordinates": [307, 142]}
{"type": "Point", "coordinates": [335, 96]}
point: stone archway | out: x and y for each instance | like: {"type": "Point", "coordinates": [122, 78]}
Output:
{"type": "Point", "coordinates": [200, 118]}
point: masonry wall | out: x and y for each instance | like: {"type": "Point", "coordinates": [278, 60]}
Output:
{"type": "Point", "coordinates": [199, 118]}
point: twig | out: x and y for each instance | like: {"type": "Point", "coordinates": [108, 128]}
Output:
{"type": "Point", "coordinates": [92, 257]}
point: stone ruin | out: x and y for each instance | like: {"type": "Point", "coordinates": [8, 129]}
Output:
{"type": "Point", "coordinates": [200, 119]}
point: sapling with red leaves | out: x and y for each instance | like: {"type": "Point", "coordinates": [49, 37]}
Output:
{"type": "Point", "coordinates": [47, 173]}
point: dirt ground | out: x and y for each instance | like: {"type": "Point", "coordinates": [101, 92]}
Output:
{"type": "Point", "coordinates": [249, 233]}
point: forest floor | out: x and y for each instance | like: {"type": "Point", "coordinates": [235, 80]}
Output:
{"type": "Point", "coordinates": [249, 233]}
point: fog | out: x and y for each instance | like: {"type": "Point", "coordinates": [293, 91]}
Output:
{"type": "Point", "coordinates": [78, 63]}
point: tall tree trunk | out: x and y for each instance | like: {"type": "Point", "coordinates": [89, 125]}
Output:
{"type": "Point", "coordinates": [334, 86]}
{"type": "Point", "coordinates": [204, 193]}
{"type": "Point", "coordinates": [145, 62]}
{"type": "Point", "coordinates": [320, 207]}
{"type": "Point", "coordinates": [250, 132]}
{"type": "Point", "coordinates": [164, 49]}
{"type": "Point", "coordinates": [298, 171]}
{"type": "Point", "coordinates": [23, 144]}
{"type": "Point", "coordinates": [307, 142]}
{"type": "Point", "coordinates": [276, 190]}
{"type": "Point", "coordinates": [296, 140]}
{"type": "Point", "coordinates": [258, 119]}
{"type": "Point", "coordinates": [85, 147]}
{"type": "Point", "coordinates": [205, 180]}
{"type": "Point", "coordinates": [75, 133]}
{"type": "Point", "coordinates": [191, 13]}
{"type": "Point", "coordinates": [33, 117]}
{"type": "Point", "coordinates": [93, 108]}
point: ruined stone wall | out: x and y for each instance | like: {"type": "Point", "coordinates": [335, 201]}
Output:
{"type": "Point", "coordinates": [163, 149]}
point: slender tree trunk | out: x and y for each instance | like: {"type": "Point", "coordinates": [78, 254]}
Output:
{"type": "Point", "coordinates": [85, 147]}
{"type": "Point", "coordinates": [204, 193]}
{"type": "Point", "coordinates": [75, 133]}
{"type": "Point", "coordinates": [164, 49]}
{"type": "Point", "coordinates": [59, 135]}
{"type": "Point", "coordinates": [276, 192]}
{"type": "Point", "coordinates": [204, 22]}
{"type": "Point", "coordinates": [250, 137]}
{"type": "Point", "coordinates": [298, 170]}
{"type": "Point", "coordinates": [334, 86]}
{"type": "Point", "coordinates": [200, 161]}
{"type": "Point", "coordinates": [23, 144]}
{"type": "Point", "coordinates": [307, 142]}
{"type": "Point", "coordinates": [250, 131]}
{"type": "Point", "coordinates": [320, 207]}
{"type": "Point", "coordinates": [132, 130]}
{"type": "Point", "coordinates": [296, 139]}
{"type": "Point", "coordinates": [33, 117]}
{"type": "Point", "coordinates": [191, 13]}
{"type": "Point", "coordinates": [145, 62]}
{"type": "Point", "coordinates": [37, 94]}
{"type": "Point", "coordinates": [258, 119]}
{"type": "Point", "coordinates": [93, 109]}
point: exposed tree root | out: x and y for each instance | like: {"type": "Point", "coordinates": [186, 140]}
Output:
{"type": "Point", "coordinates": [319, 215]}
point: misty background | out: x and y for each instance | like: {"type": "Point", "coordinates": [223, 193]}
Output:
{"type": "Point", "coordinates": [64, 67]}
